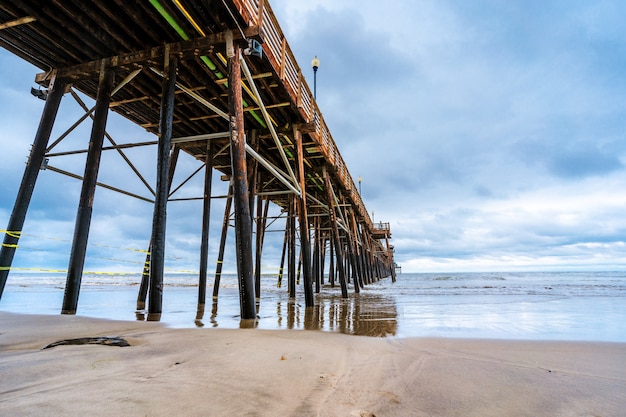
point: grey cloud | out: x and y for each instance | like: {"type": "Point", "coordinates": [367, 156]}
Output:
{"type": "Point", "coordinates": [569, 160]}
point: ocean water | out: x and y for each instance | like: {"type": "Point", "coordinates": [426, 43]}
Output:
{"type": "Point", "coordinates": [529, 305]}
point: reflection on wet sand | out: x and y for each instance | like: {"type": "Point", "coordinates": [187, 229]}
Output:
{"type": "Point", "coordinates": [361, 315]}
{"type": "Point", "coordinates": [200, 315]}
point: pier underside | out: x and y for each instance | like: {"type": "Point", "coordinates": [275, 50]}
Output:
{"type": "Point", "coordinates": [218, 81]}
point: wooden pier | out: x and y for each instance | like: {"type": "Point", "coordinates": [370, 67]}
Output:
{"type": "Point", "coordinates": [218, 81]}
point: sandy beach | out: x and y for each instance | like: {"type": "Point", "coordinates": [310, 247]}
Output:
{"type": "Point", "coordinates": [251, 372]}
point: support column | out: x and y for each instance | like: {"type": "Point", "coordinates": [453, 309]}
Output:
{"type": "Point", "coordinates": [282, 256]}
{"type": "Point", "coordinates": [331, 261]}
{"type": "Point", "coordinates": [305, 243]}
{"type": "Point", "coordinates": [390, 265]}
{"type": "Point", "coordinates": [350, 265]}
{"type": "Point", "coordinates": [262, 210]}
{"type": "Point", "coordinates": [317, 255]}
{"type": "Point", "coordinates": [206, 220]}
{"type": "Point", "coordinates": [243, 220]}
{"type": "Point", "coordinates": [291, 263]}
{"type": "Point", "coordinates": [220, 254]}
{"type": "Point", "coordinates": [335, 235]}
{"type": "Point", "coordinates": [145, 276]}
{"type": "Point", "coordinates": [322, 252]}
{"type": "Point", "coordinates": [357, 251]}
{"type": "Point", "coordinates": [33, 165]}
{"type": "Point", "coordinates": [85, 205]}
{"type": "Point", "coordinates": [323, 255]}
{"type": "Point", "coordinates": [366, 271]}
{"type": "Point", "coordinates": [157, 251]}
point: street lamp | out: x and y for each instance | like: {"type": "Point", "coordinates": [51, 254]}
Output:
{"type": "Point", "coordinates": [315, 64]}
{"type": "Point", "coordinates": [360, 179]}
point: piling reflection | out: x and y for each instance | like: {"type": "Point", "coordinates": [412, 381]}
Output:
{"type": "Point", "coordinates": [243, 323]}
{"type": "Point", "coordinates": [361, 314]}
{"type": "Point", "coordinates": [367, 315]}
{"type": "Point", "coordinates": [200, 315]}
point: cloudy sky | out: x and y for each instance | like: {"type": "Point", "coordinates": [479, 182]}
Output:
{"type": "Point", "coordinates": [491, 135]}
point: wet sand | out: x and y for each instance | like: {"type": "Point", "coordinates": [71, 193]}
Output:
{"type": "Point", "coordinates": [226, 372]}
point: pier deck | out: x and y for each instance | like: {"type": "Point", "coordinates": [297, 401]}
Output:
{"type": "Point", "coordinates": [290, 157]}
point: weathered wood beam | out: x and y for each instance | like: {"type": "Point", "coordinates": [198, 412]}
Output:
{"type": "Point", "coordinates": [17, 22]}
{"type": "Point", "coordinates": [195, 46]}
{"type": "Point", "coordinates": [243, 220]}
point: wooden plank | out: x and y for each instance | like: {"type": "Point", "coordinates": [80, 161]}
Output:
{"type": "Point", "coordinates": [193, 46]}
{"type": "Point", "coordinates": [18, 22]}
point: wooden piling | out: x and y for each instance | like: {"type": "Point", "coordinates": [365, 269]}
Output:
{"type": "Point", "coordinates": [206, 221]}
{"type": "Point", "coordinates": [305, 243]}
{"type": "Point", "coordinates": [157, 252]}
{"type": "Point", "coordinates": [331, 262]}
{"type": "Point", "coordinates": [282, 255]}
{"type": "Point", "coordinates": [27, 186]}
{"type": "Point", "coordinates": [261, 221]}
{"type": "Point", "coordinates": [353, 248]}
{"type": "Point", "coordinates": [335, 235]}
{"type": "Point", "coordinates": [243, 220]}
{"type": "Point", "coordinates": [316, 256]}
{"type": "Point", "coordinates": [291, 263]}
{"type": "Point", "coordinates": [220, 254]}
{"type": "Point", "coordinates": [145, 276]}
{"type": "Point", "coordinates": [85, 205]}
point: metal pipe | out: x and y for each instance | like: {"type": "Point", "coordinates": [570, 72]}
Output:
{"type": "Point", "coordinates": [104, 148]}
{"type": "Point", "coordinates": [272, 169]}
{"type": "Point", "coordinates": [119, 150]}
{"type": "Point", "coordinates": [174, 24]}
{"type": "Point", "coordinates": [248, 75]}
{"type": "Point", "coordinates": [99, 184]}
{"type": "Point", "coordinates": [195, 96]}
{"type": "Point", "coordinates": [206, 136]}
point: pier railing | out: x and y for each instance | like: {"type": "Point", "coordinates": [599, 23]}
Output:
{"type": "Point", "coordinates": [277, 50]}
{"type": "Point", "coordinates": [381, 226]}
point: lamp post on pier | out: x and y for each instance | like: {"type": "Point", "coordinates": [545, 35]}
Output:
{"type": "Point", "coordinates": [315, 63]}
{"type": "Point", "coordinates": [360, 179]}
